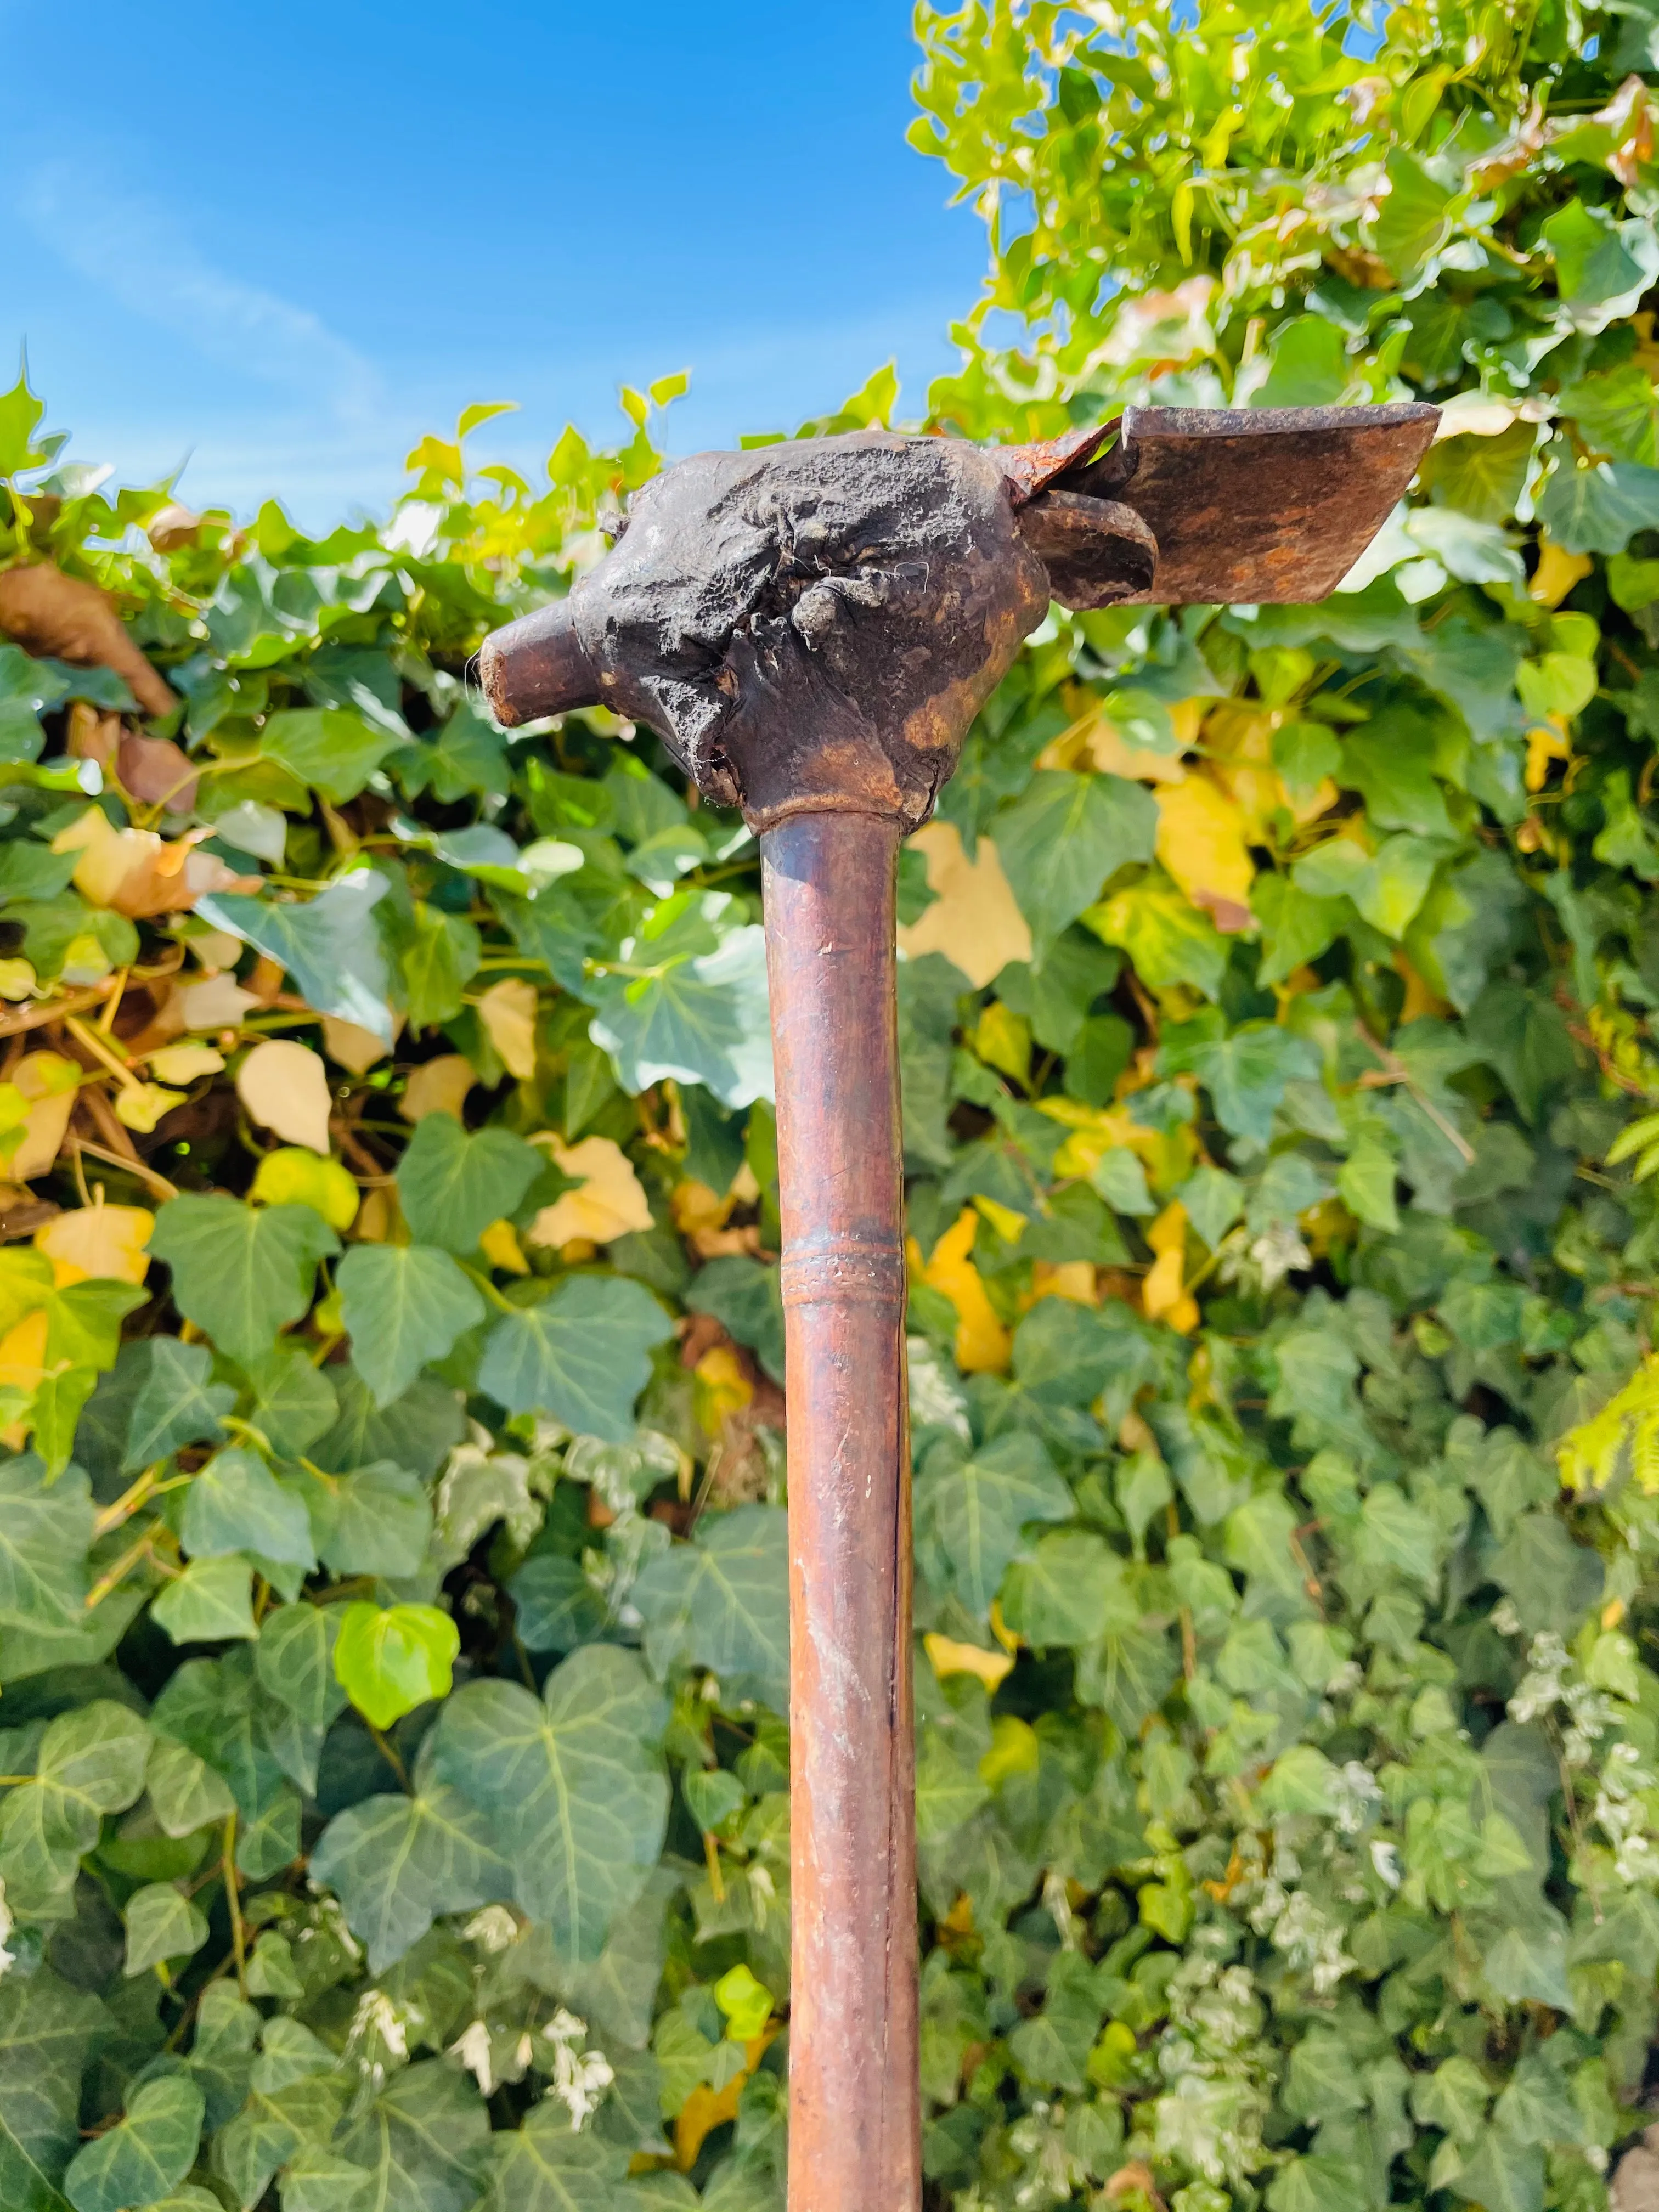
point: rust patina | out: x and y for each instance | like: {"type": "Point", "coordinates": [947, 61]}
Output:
{"type": "Point", "coordinates": [811, 629]}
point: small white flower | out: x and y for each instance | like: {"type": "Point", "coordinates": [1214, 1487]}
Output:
{"type": "Point", "coordinates": [1278, 1252]}
{"type": "Point", "coordinates": [494, 1929]}
{"type": "Point", "coordinates": [580, 2078]}
{"type": "Point", "coordinates": [377, 2016]}
{"type": "Point", "coordinates": [935, 1401]}
{"type": "Point", "coordinates": [1357, 1798]}
{"type": "Point", "coordinates": [472, 2047]}
{"type": "Point", "coordinates": [1385, 1858]}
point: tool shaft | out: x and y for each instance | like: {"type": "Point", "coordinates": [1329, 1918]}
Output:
{"type": "Point", "coordinates": [854, 2142]}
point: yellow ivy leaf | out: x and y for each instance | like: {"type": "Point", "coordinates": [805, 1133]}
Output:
{"type": "Point", "coordinates": [437, 1086]}
{"type": "Point", "coordinates": [719, 1387]}
{"type": "Point", "coordinates": [1096, 1131]}
{"type": "Point", "coordinates": [1064, 1279]}
{"type": "Point", "coordinates": [1014, 1750]}
{"type": "Point", "coordinates": [1002, 1039]}
{"type": "Point", "coordinates": [499, 1246]}
{"type": "Point", "coordinates": [295, 1176]}
{"type": "Point", "coordinates": [1200, 840]}
{"type": "Point", "coordinates": [137, 872]}
{"type": "Point", "coordinates": [141, 1105]}
{"type": "Point", "coordinates": [1008, 1224]}
{"type": "Point", "coordinates": [507, 1013]}
{"type": "Point", "coordinates": [973, 920]}
{"type": "Point", "coordinates": [1546, 741]}
{"type": "Point", "coordinates": [1557, 572]}
{"type": "Point", "coordinates": [948, 1657]}
{"type": "Point", "coordinates": [609, 1203]}
{"type": "Point", "coordinates": [47, 1084]}
{"type": "Point", "coordinates": [983, 1344]}
{"type": "Point", "coordinates": [216, 1002]}
{"type": "Point", "coordinates": [23, 1354]}
{"type": "Point", "coordinates": [353, 1047]}
{"type": "Point", "coordinates": [97, 1242]}
{"type": "Point", "coordinates": [183, 1063]}
{"type": "Point", "coordinates": [694, 1206]}
{"type": "Point", "coordinates": [1163, 1296]}
{"type": "Point", "coordinates": [705, 2108]}
{"type": "Point", "coordinates": [284, 1087]}
{"type": "Point", "coordinates": [1238, 736]}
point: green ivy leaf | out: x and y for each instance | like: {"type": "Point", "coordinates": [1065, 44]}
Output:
{"type": "Point", "coordinates": [403, 1305]}
{"type": "Point", "coordinates": [328, 748]}
{"type": "Point", "coordinates": [241, 1273]}
{"type": "Point", "coordinates": [397, 1863]}
{"type": "Point", "coordinates": [141, 2158]}
{"type": "Point", "coordinates": [175, 1403]}
{"type": "Point", "coordinates": [282, 2114]}
{"type": "Point", "coordinates": [379, 1523]}
{"type": "Point", "coordinates": [390, 1660]}
{"type": "Point", "coordinates": [294, 1661]}
{"type": "Point", "coordinates": [212, 1600]}
{"type": "Point", "coordinates": [423, 2140]}
{"type": "Point", "coordinates": [1245, 1070]}
{"type": "Point", "coordinates": [557, 1606]}
{"type": "Point", "coordinates": [582, 1355]}
{"type": "Point", "coordinates": [970, 1512]}
{"type": "Point", "coordinates": [572, 1783]}
{"type": "Point", "coordinates": [722, 1601]}
{"type": "Point", "coordinates": [234, 1503]}
{"type": "Point", "coordinates": [693, 1009]}
{"type": "Point", "coordinates": [745, 1298]}
{"type": "Point", "coordinates": [452, 1185]}
{"type": "Point", "coordinates": [45, 1531]}
{"type": "Point", "coordinates": [1062, 1592]}
{"type": "Point", "coordinates": [1167, 938]}
{"type": "Point", "coordinates": [294, 1402]}
{"type": "Point", "coordinates": [1064, 837]}
{"type": "Point", "coordinates": [542, 2167]}
{"type": "Point", "coordinates": [185, 1792]}
{"type": "Point", "coordinates": [438, 957]}
{"type": "Point", "coordinates": [162, 1924]}
{"type": "Point", "coordinates": [328, 945]}
{"type": "Point", "coordinates": [320, 2179]}
{"type": "Point", "coordinates": [1598, 506]}
{"type": "Point", "coordinates": [50, 2032]}
{"type": "Point", "coordinates": [91, 1762]}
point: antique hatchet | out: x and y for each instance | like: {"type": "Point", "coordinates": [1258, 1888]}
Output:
{"type": "Point", "coordinates": [810, 628]}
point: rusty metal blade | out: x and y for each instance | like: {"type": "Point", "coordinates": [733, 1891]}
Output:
{"type": "Point", "coordinates": [1259, 504]}
{"type": "Point", "coordinates": [1031, 469]}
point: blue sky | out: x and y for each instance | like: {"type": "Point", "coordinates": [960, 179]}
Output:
{"type": "Point", "coordinates": [285, 242]}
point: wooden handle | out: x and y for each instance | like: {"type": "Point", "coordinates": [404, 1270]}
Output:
{"type": "Point", "coordinates": [855, 2117]}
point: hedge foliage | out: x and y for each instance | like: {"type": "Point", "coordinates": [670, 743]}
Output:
{"type": "Point", "coordinates": [393, 1809]}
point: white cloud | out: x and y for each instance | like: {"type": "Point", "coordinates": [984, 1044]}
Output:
{"type": "Point", "coordinates": [135, 250]}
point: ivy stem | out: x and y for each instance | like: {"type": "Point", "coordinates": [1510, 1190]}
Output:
{"type": "Point", "coordinates": [478, 1276]}
{"type": "Point", "coordinates": [388, 1752]}
{"type": "Point", "coordinates": [127, 1503]}
{"type": "Point", "coordinates": [1395, 1071]}
{"type": "Point", "coordinates": [234, 1899]}
{"type": "Point", "coordinates": [100, 1047]}
{"type": "Point", "coordinates": [122, 1567]}
{"type": "Point", "coordinates": [145, 1173]}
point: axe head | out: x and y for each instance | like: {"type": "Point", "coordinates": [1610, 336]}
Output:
{"type": "Point", "coordinates": [813, 625]}
{"type": "Point", "coordinates": [1245, 504]}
